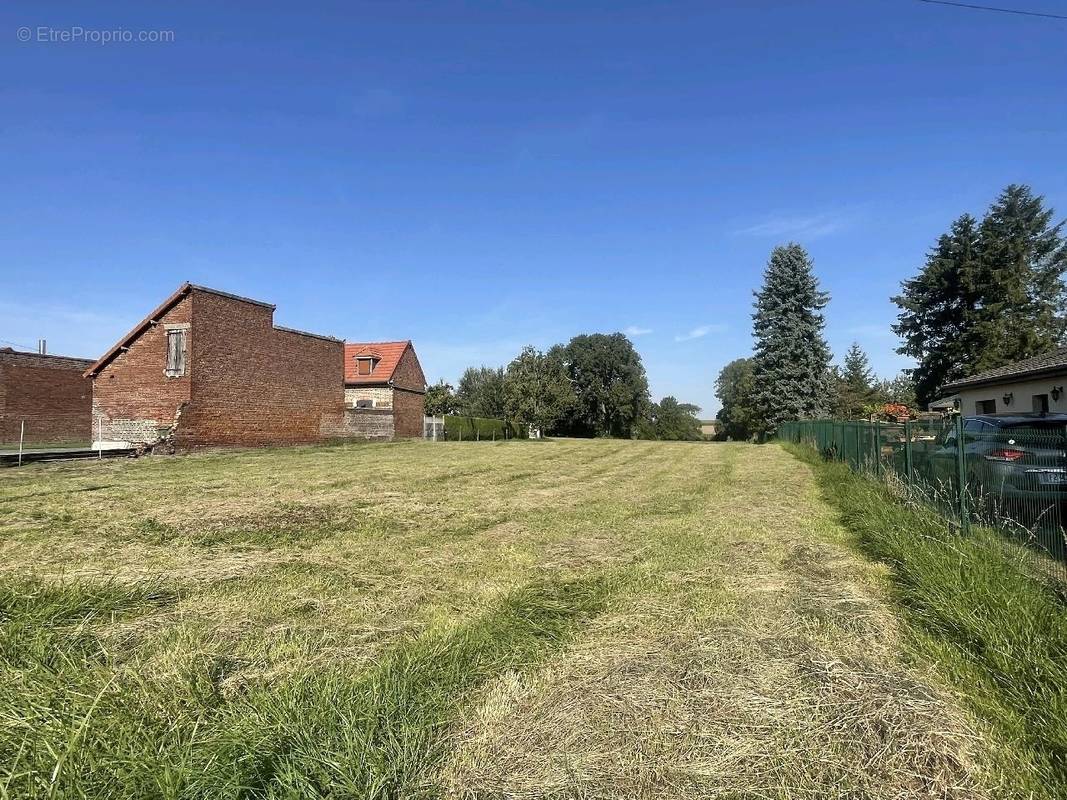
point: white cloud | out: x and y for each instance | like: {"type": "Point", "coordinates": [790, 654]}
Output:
{"type": "Point", "coordinates": [699, 332]}
{"type": "Point", "coordinates": [808, 227]}
{"type": "Point", "coordinates": [636, 330]}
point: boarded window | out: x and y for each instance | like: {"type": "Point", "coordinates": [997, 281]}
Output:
{"type": "Point", "coordinates": [176, 353]}
{"type": "Point", "coordinates": [1041, 403]}
{"type": "Point", "coordinates": [364, 366]}
{"type": "Point", "coordinates": [986, 407]}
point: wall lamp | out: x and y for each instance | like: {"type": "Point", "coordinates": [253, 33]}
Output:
{"type": "Point", "coordinates": [1056, 392]}
{"type": "Point", "coordinates": [1008, 397]}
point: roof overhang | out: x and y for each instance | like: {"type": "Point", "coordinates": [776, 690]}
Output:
{"type": "Point", "coordinates": [1018, 377]}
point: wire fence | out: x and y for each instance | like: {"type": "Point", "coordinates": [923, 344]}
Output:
{"type": "Point", "coordinates": [1007, 473]}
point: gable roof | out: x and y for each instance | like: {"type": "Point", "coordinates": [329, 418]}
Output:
{"type": "Point", "coordinates": [1054, 362]}
{"type": "Point", "coordinates": [167, 305]}
{"type": "Point", "coordinates": [387, 353]}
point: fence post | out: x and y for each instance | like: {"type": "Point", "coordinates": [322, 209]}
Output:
{"type": "Point", "coordinates": [961, 476]}
{"type": "Point", "coordinates": [876, 448]}
{"type": "Point", "coordinates": [907, 450]}
{"type": "Point", "coordinates": [22, 436]}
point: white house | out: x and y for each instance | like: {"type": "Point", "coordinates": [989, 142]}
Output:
{"type": "Point", "coordinates": [1035, 385]}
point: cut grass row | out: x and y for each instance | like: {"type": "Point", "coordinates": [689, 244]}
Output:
{"type": "Point", "coordinates": [973, 607]}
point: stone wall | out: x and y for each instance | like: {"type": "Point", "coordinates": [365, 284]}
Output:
{"type": "Point", "coordinates": [368, 423]}
{"type": "Point", "coordinates": [381, 396]}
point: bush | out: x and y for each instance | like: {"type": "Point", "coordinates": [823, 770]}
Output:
{"type": "Point", "coordinates": [480, 428]}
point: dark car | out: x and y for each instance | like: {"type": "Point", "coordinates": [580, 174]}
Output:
{"type": "Point", "coordinates": [1013, 457]}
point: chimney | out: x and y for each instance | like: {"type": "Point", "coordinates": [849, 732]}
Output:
{"type": "Point", "coordinates": [42, 347]}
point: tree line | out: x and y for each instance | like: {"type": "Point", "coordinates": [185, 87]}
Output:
{"type": "Point", "coordinates": [594, 385]}
{"type": "Point", "coordinates": [990, 292]}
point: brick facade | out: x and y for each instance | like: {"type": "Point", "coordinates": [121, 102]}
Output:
{"type": "Point", "coordinates": [246, 382]}
{"type": "Point", "coordinates": [397, 383]}
{"type": "Point", "coordinates": [49, 393]}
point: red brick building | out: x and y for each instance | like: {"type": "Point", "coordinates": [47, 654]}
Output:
{"type": "Point", "coordinates": [48, 393]}
{"type": "Point", "coordinates": [386, 377]}
{"type": "Point", "coordinates": [211, 368]}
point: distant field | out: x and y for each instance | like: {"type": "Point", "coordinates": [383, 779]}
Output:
{"type": "Point", "coordinates": [520, 619]}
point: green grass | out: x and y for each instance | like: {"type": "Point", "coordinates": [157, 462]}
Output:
{"type": "Point", "coordinates": [536, 619]}
{"type": "Point", "coordinates": [975, 609]}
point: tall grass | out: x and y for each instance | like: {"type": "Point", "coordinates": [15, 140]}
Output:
{"type": "Point", "coordinates": [79, 723]}
{"type": "Point", "coordinates": [973, 605]}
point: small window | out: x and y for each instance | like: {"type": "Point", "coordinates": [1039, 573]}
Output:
{"type": "Point", "coordinates": [985, 407]}
{"type": "Point", "coordinates": [364, 404]}
{"type": "Point", "coordinates": [176, 353]}
{"type": "Point", "coordinates": [1041, 403]}
{"type": "Point", "coordinates": [365, 366]}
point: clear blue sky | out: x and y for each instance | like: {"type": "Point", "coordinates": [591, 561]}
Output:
{"type": "Point", "coordinates": [478, 176]}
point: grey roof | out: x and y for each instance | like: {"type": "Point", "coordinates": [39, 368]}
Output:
{"type": "Point", "coordinates": [1053, 362]}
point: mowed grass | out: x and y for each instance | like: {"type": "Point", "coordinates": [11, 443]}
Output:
{"type": "Point", "coordinates": [534, 619]}
{"type": "Point", "coordinates": [976, 606]}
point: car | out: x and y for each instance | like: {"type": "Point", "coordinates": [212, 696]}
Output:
{"type": "Point", "coordinates": [1018, 457]}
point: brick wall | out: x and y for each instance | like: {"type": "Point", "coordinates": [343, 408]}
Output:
{"type": "Point", "coordinates": [254, 384]}
{"type": "Point", "coordinates": [246, 382]}
{"type": "Point", "coordinates": [409, 402]}
{"type": "Point", "coordinates": [409, 409]}
{"type": "Point", "coordinates": [408, 373]}
{"type": "Point", "coordinates": [49, 393]}
{"type": "Point", "coordinates": [133, 399]}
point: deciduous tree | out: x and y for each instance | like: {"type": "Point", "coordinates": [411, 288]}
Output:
{"type": "Point", "coordinates": [440, 400]}
{"type": "Point", "coordinates": [735, 388]}
{"type": "Point", "coordinates": [609, 384]}
{"type": "Point", "coordinates": [537, 390]}
{"type": "Point", "coordinates": [481, 392]}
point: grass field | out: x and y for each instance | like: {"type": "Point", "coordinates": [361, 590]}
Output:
{"type": "Point", "coordinates": [522, 619]}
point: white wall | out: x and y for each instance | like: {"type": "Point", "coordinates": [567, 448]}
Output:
{"type": "Point", "coordinates": [1022, 400]}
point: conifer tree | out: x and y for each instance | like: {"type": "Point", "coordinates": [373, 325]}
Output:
{"type": "Point", "coordinates": [1022, 262]}
{"type": "Point", "coordinates": [855, 384]}
{"type": "Point", "coordinates": [792, 359]}
{"type": "Point", "coordinates": [938, 318]}
{"type": "Point", "coordinates": [990, 293]}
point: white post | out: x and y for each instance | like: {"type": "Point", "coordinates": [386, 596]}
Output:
{"type": "Point", "coordinates": [99, 438]}
{"type": "Point", "coordinates": [22, 436]}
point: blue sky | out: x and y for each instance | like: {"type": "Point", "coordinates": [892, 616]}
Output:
{"type": "Point", "coordinates": [479, 176]}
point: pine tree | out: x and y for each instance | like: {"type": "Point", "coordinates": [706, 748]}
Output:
{"type": "Point", "coordinates": [1023, 259]}
{"type": "Point", "coordinates": [939, 307]}
{"type": "Point", "coordinates": [855, 384]}
{"type": "Point", "coordinates": [792, 359]}
{"type": "Point", "coordinates": [989, 294]}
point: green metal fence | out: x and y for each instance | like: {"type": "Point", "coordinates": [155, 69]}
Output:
{"type": "Point", "coordinates": [1009, 476]}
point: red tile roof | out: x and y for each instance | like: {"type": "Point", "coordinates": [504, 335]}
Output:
{"type": "Point", "coordinates": [388, 353]}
